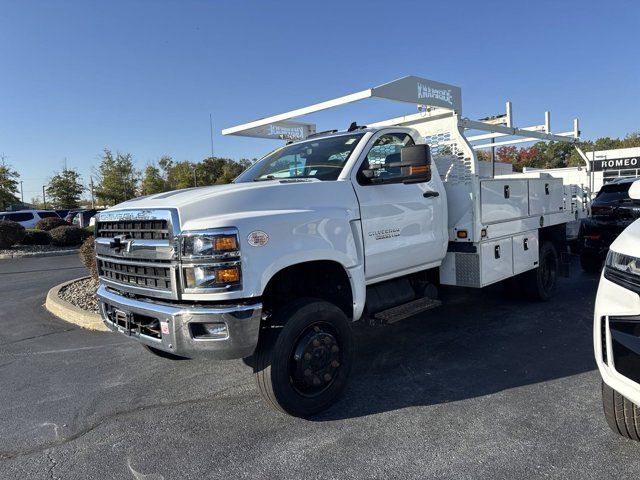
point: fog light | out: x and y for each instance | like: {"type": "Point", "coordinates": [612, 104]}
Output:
{"type": "Point", "coordinates": [209, 331]}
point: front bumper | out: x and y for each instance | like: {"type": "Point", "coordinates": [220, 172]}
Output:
{"type": "Point", "coordinates": [171, 328]}
{"type": "Point", "coordinates": [616, 339]}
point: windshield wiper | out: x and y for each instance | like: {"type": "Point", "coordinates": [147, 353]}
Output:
{"type": "Point", "coordinates": [268, 177]}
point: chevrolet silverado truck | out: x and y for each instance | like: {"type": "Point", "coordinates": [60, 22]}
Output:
{"type": "Point", "coordinates": [331, 228]}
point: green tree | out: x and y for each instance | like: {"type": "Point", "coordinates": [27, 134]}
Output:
{"type": "Point", "coordinates": [210, 170]}
{"type": "Point", "coordinates": [232, 169]}
{"type": "Point", "coordinates": [152, 181]}
{"type": "Point", "coordinates": [65, 189]}
{"type": "Point", "coordinates": [180, 175]}
{"type": "Point", "coordinates": [8, 185]}
{"type": "Point", "coordinates": [117, 178]}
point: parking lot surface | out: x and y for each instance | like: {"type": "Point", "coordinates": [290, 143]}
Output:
{"type": "Point", "coordinates": [481, 388]}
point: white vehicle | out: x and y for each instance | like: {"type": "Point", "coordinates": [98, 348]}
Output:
{"type": "Point", "coordinates": [616, 330]}
{"type": "Point", "coordinates": [331, 228]}
{"type": "Point", "coordinates": [28, 218]}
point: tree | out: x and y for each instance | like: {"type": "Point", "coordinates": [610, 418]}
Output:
{"type": "Point", "coordinates": [117, 178]}
{"type": "Point", "coordinates": [180, 175]}
{"type": "Point", "coordinates": [8, 186]}
{"type": "Point", "coordinates": [65, 189]}
{"type": "Point", "coordinates": [152, 181]}
{"type": "Point", "coordinates": [232, 169]}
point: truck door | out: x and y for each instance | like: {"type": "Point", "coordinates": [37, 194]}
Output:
{"type": "Point", "coordinates": [403, 225]}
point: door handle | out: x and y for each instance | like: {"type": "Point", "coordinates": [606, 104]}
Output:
{"type": "Point", "coordinates": [431, 194]}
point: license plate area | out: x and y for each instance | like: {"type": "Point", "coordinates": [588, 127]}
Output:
{"type": "Point", "coordinates": [122, 321]}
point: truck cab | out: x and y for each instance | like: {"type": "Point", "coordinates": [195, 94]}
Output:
{"type": "Point", "coordinates": [330, 228]}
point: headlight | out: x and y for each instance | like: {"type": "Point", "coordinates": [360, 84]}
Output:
{"type": "Point", "coordinates": [210, 244]}
{"type": "Point", "coordinates": [210, 260]}
{"type": "Point", "coordinates": [211, 276]}
{"type": "Point", "coordinates": [623, 263]}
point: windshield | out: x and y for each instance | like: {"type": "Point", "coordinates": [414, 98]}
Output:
{"type": "Point", "coordinates": [323, 159]}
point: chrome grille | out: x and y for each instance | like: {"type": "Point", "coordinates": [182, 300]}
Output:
{"type": "Point", "coordinates": [148, 276]}
{"type": "Point", "coordinates": [136, 252]}
{"type": "Point", "coordinates": [135, 229]}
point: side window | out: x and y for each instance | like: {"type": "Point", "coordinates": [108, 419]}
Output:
{"type": "Point", "coordinates": [19, 217]}
{"type": "Point", "coordinates": [385, 151]}
{"type": "Point", "coordinates": [47, 214]}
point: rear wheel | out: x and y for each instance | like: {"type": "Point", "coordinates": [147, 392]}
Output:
{"type": "Point", "coordinates": [622, 415]}
{"type": "Point", "coordinates": [303, 367]}
{"type": "Point", "coordinates": [540, 283]}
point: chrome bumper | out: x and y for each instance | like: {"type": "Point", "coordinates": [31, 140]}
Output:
{"type": "Point", "coordinates": [175, 332]}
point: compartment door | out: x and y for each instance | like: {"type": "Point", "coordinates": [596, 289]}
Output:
{"type": "Point", "coordinates": [503, 200]}
{"type": "Point", "coordinates": [525, 252]}
{"type": "Point", "coordinates": [496, 260]}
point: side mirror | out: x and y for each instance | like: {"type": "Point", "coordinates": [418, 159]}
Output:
{"type": "Point", "coordinates": [415, 164]}
{"type": "Point", "coordinates": [634, 190]}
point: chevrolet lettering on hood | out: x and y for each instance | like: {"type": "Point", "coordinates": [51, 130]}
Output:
{"type": "Point", "coordinates": [127, 216]}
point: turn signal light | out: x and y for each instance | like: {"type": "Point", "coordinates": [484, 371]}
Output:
{"type": "Point", "coordinates": [228, 275]}
{"type": "Point", "coordinates": [226, 243]}
{"type": "Point", "coordinates": [462, 234]}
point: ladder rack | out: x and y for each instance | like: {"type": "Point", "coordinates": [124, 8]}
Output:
{"type": "Point", "coordinates": [434, 100]}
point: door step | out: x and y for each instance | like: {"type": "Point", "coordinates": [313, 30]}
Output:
{"type": "Point", "coordinates": [407, 310]}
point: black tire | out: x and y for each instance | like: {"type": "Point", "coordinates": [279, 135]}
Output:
{"type": "Point", "coordinates": [540, 283]}
{"type": "Point", "coordinates": [590, 262]}
{"type": "Point", "coordinates": [295, 366]}
{"type": "Point", "coordinates": [163, 354]}
{"type": "Point", "coordinates": [622, 415]}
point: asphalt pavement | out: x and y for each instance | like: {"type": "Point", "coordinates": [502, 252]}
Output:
{"type": "Point", "coordinates": [483, 387]}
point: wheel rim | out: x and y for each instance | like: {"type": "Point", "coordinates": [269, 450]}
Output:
{"type": "Point", "coordinates": [548, 272]}
{"type": "Point", "coordinates": [315, 360]}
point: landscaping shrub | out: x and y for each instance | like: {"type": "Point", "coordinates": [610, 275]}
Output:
{"type": "Point", "coordinates": [10, 233]}
{"type": "Point", "coordinates": [66, 236]}
{"type": "Point", "coordinates": [88, 256]}
{"type": "Point", "coordinates": [50, 223]}
{"type": "Point", "coordinates": [36, 237]}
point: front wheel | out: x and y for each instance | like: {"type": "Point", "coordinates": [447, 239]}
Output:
{"type": "Point", "coordinates": [540, 283]}
{"type": "Point", "coordinates": [622, 415]}
{"type": "Point", "coordinates": [303, 367]}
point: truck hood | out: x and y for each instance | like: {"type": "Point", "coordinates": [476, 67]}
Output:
{"type": "Point", "coordinates": [220, 205]}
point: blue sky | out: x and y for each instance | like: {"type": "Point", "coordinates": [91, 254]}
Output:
{"type": "Point", "coordinates": [143, 76]}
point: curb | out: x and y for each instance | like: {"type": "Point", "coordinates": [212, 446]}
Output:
{"type": "Point", "coordinates": [58, 253]}
{"type": "Point", "coordinates": [70, 313]}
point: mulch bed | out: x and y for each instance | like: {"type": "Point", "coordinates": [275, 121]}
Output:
{"type": "Point", "coordinates": [82, 294]}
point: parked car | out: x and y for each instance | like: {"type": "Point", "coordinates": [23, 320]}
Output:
{"type": "Point", "coordinates": [617, 330]}
{"type": "Point", "coordinates": [28, 218]}
{"type": "Point", "coordinates": [81, 218]}
{"type": "Point", "coordinates": [611, 212]}
{"type": "Point", "coordinates": [62, 213]}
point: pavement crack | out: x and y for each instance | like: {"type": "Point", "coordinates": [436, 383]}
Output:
{"type": "Point", "coordinates": [52, 464]}
{"type": "Point", "coordinates": [37, 336]}
{"type": "Point", "coordinates": [122, 413]}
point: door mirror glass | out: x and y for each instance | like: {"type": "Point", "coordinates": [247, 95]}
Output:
{"type": "Point", "coordinates": [415, 164]}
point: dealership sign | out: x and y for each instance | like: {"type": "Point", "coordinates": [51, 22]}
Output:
{"type": "Point", "coordinates": [604, 164]}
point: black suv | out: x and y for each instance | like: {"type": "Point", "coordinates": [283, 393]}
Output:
{"type": "Point", "coordinates": [611, 212]}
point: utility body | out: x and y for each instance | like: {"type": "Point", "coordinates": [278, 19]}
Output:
{"type": "Point", "coordinates": [331, 228]}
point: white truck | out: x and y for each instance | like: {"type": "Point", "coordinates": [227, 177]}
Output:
{"type": "Point", "coordinates": [330, 228]}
